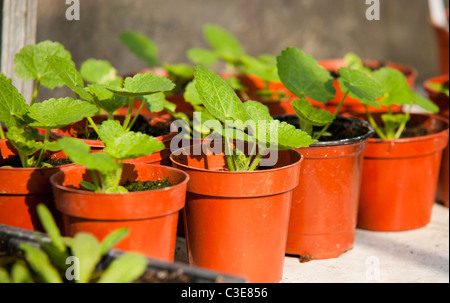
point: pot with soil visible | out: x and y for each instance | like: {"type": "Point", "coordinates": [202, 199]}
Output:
{"type": "Point", "coordinates": [438, 91]}
{"type": "Point", "coordinates": [108, 194]}
{"type": "Point", "coordinates": [352, 104]}
{"type": "Point", "coordinates": [324, 207]}
{"type": "Point", "coordinates": [238, 202]}
{"type": "Point", "coordinates": [325, 203]}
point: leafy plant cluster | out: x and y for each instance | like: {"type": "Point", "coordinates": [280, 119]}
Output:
{"type": "Point", "coordinates": [223, 46]}
{"type": "Point", "coordinates": [51, 66]}
{"type": "Point", "coordinates": [49, 263]}
{"type": "Point", "coordinates": [306, 79]}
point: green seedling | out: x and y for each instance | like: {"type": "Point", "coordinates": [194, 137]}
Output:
{"type": "Point", "coordinates": [443, 88]}
{"type": "Point", "coordinates": [249, 121]}
{"type": "Point", "coordinates": [22, 119]}
{"type": "Point", "coordinates": [225, 46]}
{"type": "Point", "coordinates": [106, 168]}
{"type": "Point", "coordinates": [109, 92]}
{"type": "Point", "coordinates": [305, 78]}
{"type": "Point", "coordinates": [49, 264]}
{"type": "Point", "coordinates": [145, 49]}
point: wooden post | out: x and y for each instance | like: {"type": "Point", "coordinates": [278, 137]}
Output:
{"type": "Point", "coordinates": [19, 22]}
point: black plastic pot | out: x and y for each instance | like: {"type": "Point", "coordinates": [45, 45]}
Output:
{"type": "Point", "coordinates": [157, 271]}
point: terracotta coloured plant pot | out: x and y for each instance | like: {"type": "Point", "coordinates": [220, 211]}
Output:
{"type": "Point", "coordinates": [325, 204]}
{"type": "Point", "coordinates": [400, 178]}
{"type": "Point", "coordinates": [76, 129]}
{"type": "Point", "coordinates": [442, 101]}
{"type": "Point", "coordinates": [353, 105]}
{"type": "Point", "coordinates": [22, 189]}
{"type": "Point", "coordinates": [236, 222]}
{"type": "Point", "coordinates": [442, 36]}
{"type": "Point", "coordinates": [151, 216]}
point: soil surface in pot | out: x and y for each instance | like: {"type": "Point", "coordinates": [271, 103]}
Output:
{"type": "Point", "coordinates": [141, 186]}
{"type": "Point", "coordinates": [142, 125]}
{"type": "Point", "coordinates": [338, 131]}
{"type": "Point", "coordinates": [16, 163]}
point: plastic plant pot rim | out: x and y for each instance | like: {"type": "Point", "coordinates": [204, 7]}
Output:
{"type": "Point", "coordinates": [370, 133]}
{"type": "Point", "coordinates": [287, 167]}
{"type": "Point", "coordinates": [88, 193]}
{"type": "Point", "coordinates": [437, 80]}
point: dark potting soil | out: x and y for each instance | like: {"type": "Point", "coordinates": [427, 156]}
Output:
{"type": "Point", "coordinates": [141, 186]}
{"type": "Point", "coordinates": [16, 163]}
{"type": "Point", "coordinates": [335, 74]}
{"type": "Point", "coordinates": [414, 130]}
{"type": "Point", "coordinates": [338, 131]}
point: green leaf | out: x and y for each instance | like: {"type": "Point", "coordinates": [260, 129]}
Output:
{"type": "Point", "coordinates": [241, 160]}
{"type": "Point", "coordinates": [353, 61]}
{"type": "Point", "coordinates": [98, 71]}
{"type": "Point", "coordinates": [12, 103]}
{"type": "Point", "coordinates": [361, 87]}
{"type": "Point", "coordinates": [50, 227]}
{"type": "Point", "coordinates": [79, 153]}
{"type": "Point", "coordinates": [4, 276]}
{"type": "Point", "coordinates": [132, 146]}
{"type": "Point", "coordinates": [225, 44]}
{"type": "Point", "coordinates": [424, 103]}
{"type": "Point", "coordinates": [87, 249]}
{"type": "Point", "coordinates": [20, 274]}
{"type": "Point", "coordinates": [58, 113]}
{"type": "Point", "coordinates": [283, 136]}
{"type": "Point", "coordinates": [142, 85]}
{"type": "Point", "coordinates": [310, 115]}
{"type": "Point", "coordinates": [155, 103]}
{"type": "Point", "coordinates": [87, 185]}
{"type": "Point", "coordinates": [122, 145]}
{"type": "Point", "coordinates": [217, 96]}
{"type": "Point", "coordinates": [181, 70]}
{"type": "Point", "coordinates": [261, 69]}
{"type": "Point", "coordinates": [40, 264]}
{"type": "Point", "coordinates": [191, 94]}
{"type": "Point", "coordinates": [141, 46]}
{"type": "Point", "coordinates": [395, 87]}
{"type": "Point", "coordinates": [31, 63]}
{"type": "Point", "coordinates": [303, 76]}
{"type": "Point", "coordinates": [126, 269]}
{"type": "Point", "coordinates": [442, 88]}
{"type": "Point", "coordinates": [23, 141]}
{"type": "Point", "coordinates": [113, 239]}
{"type": "Point", "coordinates": [393, 122]}
{"type": "Point", "coordinates": [68, 73]}
{"type": "Point", "coordinates": [257, 111]}
{"type": "Point", "coordinates": [105, 99]}
{"type": "Point", "coordinates": [202, 56]}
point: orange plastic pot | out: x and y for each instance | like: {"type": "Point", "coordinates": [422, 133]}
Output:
{"type": "Point", "coordinates": [325, 203]}
{"type": "Point", "coordinates": [237, 222]}
{"type": "Point", "coordinates": [400, 178]}
{"type": "Point", "coordinates": [151, 216]}
{"type": "Point", "coordinates": [442, 101]}
{"type": "Point", "coordinates": [22, 189]}
{"type": "Point", "coordinates": [442, 37]}
{"type": "Point", "coordinates": [161, 158]}
{"type": "Point", "coordinates": [353, 105]}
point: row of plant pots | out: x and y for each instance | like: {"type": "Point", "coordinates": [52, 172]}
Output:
{"type": "Point", "coordinates": [235, 221]}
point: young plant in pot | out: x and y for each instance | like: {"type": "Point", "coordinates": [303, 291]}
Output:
{"type": "Point", "coordinates": [111, 95]}
{"type": "Point", "coordinates": [48, 262]}
{"type": "Point", "coordinates": [104, 192]}
{"type": "Point", "coordinates": [353, 61]}
{"type": "Point", "coordinates": [238, 219]}
{"type": "Point", "coordinates": [181, 74]}
{"type": "Point", "coordinates": [27, 161]}
{"type": "Point", "coordinates": [402, 163]}
{"type": "Point", "coordinates": [438, 91]}
{"type": "Point", "coordinates": [254, 78]}
{"type": "Point", "coordinates": [323, 215]}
